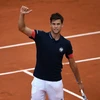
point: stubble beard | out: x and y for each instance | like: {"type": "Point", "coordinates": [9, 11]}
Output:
{"type": "Point", "coordinates": [58, 32]}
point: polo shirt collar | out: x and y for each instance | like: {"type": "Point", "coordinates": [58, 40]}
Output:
{"type": "Point", "coordinates": [52, 37]}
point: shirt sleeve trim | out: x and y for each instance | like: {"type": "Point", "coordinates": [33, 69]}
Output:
{"type": "Point", "coordinates": [70, 56]}
{"type": "Point", "coordinates": [33, 33]}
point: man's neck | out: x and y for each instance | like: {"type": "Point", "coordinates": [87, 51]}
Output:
{"type": "Point", "coordinates": [56, 36]}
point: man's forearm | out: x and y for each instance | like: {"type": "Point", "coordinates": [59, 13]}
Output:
{"type": "Point", "coordinates": [21, 23]}
{"type": "Point", "coordinates": [75, 70]}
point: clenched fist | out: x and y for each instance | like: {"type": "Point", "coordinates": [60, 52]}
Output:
{"type": "Point", "coordinates": [25, 10]}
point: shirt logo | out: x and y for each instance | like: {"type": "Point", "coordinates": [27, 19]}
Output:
{"type": "Point", "coordinates": [61, 49]}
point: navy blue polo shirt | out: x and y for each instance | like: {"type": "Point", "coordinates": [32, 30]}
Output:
{"type": "Point", "coordinates": [49, 55]}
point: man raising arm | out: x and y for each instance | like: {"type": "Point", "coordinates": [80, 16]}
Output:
{"type": "Point", "coordinates": [50, 46]}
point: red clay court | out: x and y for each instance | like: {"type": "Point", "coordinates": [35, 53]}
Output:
{"type": "Point", "coordinates": [17, 51]}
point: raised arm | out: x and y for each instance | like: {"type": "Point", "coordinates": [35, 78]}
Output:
{"type": "Point", "coordinates": [21, 24]}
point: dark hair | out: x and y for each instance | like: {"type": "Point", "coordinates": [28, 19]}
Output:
{"type": "Point", "coordinates": [56, 16]}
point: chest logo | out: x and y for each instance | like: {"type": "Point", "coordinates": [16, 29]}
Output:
{"type": "Point", "coordinates": [61, 49]}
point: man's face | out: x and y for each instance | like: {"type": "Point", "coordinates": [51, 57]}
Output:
{"type": "Point", "coordinates": [56, 26]}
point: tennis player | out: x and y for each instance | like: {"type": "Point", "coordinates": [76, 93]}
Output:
{"type": "Point", "coordinates": [50, 46]}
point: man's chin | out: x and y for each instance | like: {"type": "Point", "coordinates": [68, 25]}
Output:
{"type": "Point", "coordinates": [56, 32]}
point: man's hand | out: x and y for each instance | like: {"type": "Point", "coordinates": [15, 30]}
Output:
{"type": "Point", "coordinates": [25, 10]}
{"type": "Point", "coordinates": [81, 87]}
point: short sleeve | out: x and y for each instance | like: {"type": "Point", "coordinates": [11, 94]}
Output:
{"type": "Point", "coordinates": [35, 34]}
{"type": "Point", "coordinates": [69, 51]}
